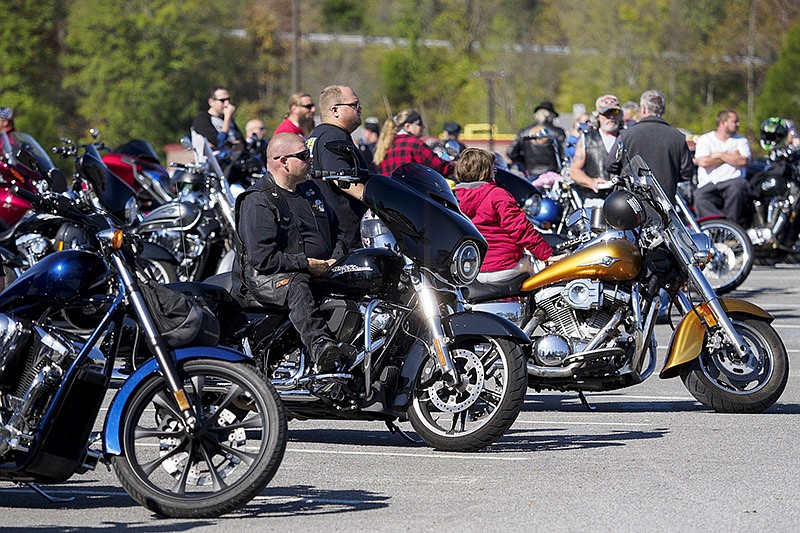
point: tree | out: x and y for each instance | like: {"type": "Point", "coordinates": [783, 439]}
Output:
{"type": "Point", "coordinates": [780, 96]}
{"type": "Point", "coordinates": [142, 68]}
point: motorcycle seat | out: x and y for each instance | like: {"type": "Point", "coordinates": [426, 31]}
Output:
{"type": "Point", "coordinates": [482, 292]}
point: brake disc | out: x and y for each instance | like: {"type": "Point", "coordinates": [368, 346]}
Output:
{"type": "Point", "coordinates": [458, 397]}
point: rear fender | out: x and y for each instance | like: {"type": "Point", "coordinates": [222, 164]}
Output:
{"type": "Point", "coordinates": [112, 430]}
{"type": "Point", "coordinates": [151, 250]}
{"type": "Point", "coordinates": [689, 337]}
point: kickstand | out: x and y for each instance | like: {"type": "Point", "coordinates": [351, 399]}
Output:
{"type": "Point", "coordinates": [585, 402]}
{"type": "Point", "coordinates": [392, 427]}
{"type": "Point", "coordinates": [52, 499]}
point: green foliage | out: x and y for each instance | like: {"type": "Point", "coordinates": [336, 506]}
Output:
{"type": "Point", "coordinates": [780, 96]}
{"type": "Point", "coordinates": [343, 15]}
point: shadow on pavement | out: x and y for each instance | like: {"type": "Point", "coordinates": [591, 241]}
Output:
{"type": "Point", "coordinates": [572, 404]}
{"type": "Point", "coordinates": [527, 440]}
{"type": "Point", "coordinates": [307, 500]}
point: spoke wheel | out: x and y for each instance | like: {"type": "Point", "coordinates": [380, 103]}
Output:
{"type": "Point", "coordinates": [727, 383]}
{"type": "Point", "coordinates": [476, 411]}
{"type": "Point", "coordinates": [230, 459]}
{"type": "Point", "coordinates": [160, 271]}
{"type": "Point", "coordinates": [731, 255]}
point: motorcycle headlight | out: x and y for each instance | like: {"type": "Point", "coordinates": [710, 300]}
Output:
{"type": "Point", "coordinates": [374, 233]}
{"type": "Point", "coordinates": [532, 205]}
{"type": "Point", "coordinates": [703, 243]}
{"type": "Point", "coordinates": [466, 263]}
{"type": "Point", "coordinates": [131, 210]}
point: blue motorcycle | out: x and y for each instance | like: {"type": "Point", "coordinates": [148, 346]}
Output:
{"type": "Point", "coordinates": [194, 431]}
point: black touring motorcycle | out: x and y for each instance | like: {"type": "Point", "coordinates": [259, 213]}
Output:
{"type": "Point", "coordinates": [195, 431]}
{"type": "Point", "coordinates": [457, 376]}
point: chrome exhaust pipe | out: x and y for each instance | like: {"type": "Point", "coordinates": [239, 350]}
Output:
{"type": "Point", "coordinates": [552, 372]}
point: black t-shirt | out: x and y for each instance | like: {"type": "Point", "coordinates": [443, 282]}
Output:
{"type": "Point", "coordinates": [209, 127]}
{"type": "Point", "coordinates": [348, 210]}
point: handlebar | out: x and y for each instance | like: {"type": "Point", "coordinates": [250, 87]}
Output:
{"type": "Point", "coordinates": [347, 175]}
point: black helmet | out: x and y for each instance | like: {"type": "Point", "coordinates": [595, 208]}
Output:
{"type": "Point", "coordinates": [183, 177]}
{"type": "Point", "coordinates": [774, 132]}
{"type": "Point", "coordinates": [623, 210]}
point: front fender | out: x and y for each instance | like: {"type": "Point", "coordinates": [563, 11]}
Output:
{"type": "Point", "coordinates": [482, 323]}
{"type": "Point", "coordinates": [687, 341]}
{"type": "Point", "coordinates": [112, 430]}
{"type": "Point", "coordinates": [151, 250]}
{"type": "Point", "coordinates": [467, 324]}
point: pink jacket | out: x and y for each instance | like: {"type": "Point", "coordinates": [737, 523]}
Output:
{"type": "Point", "coordinates": [502, 223]}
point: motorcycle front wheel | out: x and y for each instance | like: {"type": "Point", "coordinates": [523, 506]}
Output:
{"type": "Point", "coordinates": [727, 383]}
{"type": "Point", "coordinates": [236, 452]}
{"type": "Point", "coordinates": [478, 410]}
{"type": "Point", "coordinates": [731, 255]}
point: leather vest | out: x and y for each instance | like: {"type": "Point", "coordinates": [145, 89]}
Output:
{"type": "Point", "coordinates": [593, 166]}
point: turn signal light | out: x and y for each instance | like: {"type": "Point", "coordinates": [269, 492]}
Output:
{"type": "Point", "coordinates": [116, 240]}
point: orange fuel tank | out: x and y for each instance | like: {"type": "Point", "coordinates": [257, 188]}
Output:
{"type": "Point", "coordinates": [614, 260]}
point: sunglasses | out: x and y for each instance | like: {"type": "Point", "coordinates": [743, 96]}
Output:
{"type": "Point", "coordinates": [354, 105]}
{"type": "Point", "coordinates": [302, 156]}
{"type": "Point", "coordinates": [611, 113]}
{"type": "Point", "coordinates": [228, 99]}
{"type": "Point", "coordinates": [308, 106]}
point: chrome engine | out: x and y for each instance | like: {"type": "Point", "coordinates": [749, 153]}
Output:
{"type": "Point", "coordinates": [574, 314]}
{"type": "Point", "coordinates": [32, 360]}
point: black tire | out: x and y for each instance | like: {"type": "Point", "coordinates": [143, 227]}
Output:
{"type": "Point", "coordinates": [168, 471]}
{"type": "Point", "coordinates": [161, 271]}
{"type": "Point", "coordinates": [732, 257]}
{"type": "Point", "coordinates": [721, 382]}
{"type": "Point", "coordinates": [482, 414]}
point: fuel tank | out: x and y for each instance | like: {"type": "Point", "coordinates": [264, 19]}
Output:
{"type": "Point", "coordinates": [364, 272]}
{"type": "Point", "coordinates": [614, 260]}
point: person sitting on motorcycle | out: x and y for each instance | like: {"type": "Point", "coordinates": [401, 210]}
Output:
{"type": "Point", "coordinates": [537, 147]}
{"type": "Point", "coordinates": [502, 223]}
{"type": "Point", "coordinates": [287, 234]}
{"type": "Point", "coordinates": [401, 142]}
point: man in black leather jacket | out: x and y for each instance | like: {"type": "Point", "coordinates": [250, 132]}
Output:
{"type": "Point", "coordinates": [287, 234]}
{"type": "Point", "coordinates": [586, 168]}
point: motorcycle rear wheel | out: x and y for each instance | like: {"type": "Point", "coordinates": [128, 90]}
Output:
{"type": "Point", "coordinates": [232, 457]}
{"type": "Point", "coordinates": [722, 382]}
{"type": "Point", "coordinates": [160, 271]}
{"type": "Point", "coordinates": [479, 410]}
{"type": "Point", "coordinates": [732, 257]}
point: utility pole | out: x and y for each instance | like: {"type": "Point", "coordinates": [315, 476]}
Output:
{"type": "Point", "coordinates": [295, 46]}
{"type": "Point", "coordinates": [490, 76]}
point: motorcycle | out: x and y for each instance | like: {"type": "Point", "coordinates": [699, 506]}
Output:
{"type": "Point", "coordinates": [457, 376]}
{"type": "Point", "coordinates": [23, 162]}
{"type": "Point", "coordinates": [136, 163]}
{"type": "Point", "coordinates": [591, 316]}
{"type": "Point", "coordinates": [197, 226]}
{"type": "Point", "coordinates": [773, 211]}
{"type": "Point", "coordinates": [195, 431]}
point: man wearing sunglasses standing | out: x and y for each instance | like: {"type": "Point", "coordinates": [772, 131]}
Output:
{"type": "Point", "coordinates": [340, 110]}
{"type": "Point", "coordinates": [217, 123]}
{"type": "Point", "coordinates": [591, 151]}
{"type": "Point", "coordinates": [300, 117]}
{"type": "Point", "coordinates": [285, 236]}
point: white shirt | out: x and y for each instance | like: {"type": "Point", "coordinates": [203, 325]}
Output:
{"type": "Point", "coordinates": [710, 143]}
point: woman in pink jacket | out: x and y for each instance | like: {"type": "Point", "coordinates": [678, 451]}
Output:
{"type": "Point", "coordinates": [496, 215]}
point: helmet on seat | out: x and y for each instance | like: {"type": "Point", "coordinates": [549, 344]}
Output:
{"type": "Point", "coordinates": [773, 132]}
{"type": "Point", "coordinates": [623, 210]}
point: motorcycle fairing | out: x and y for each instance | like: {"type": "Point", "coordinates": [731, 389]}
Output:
{"type": "Point", "coordinates": [687, 341]}
{"type": "Point", "coordinates": [112, 433]}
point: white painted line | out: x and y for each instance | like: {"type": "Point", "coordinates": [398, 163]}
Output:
{"type": "Point", "coordinates": [24, 490]}
{"type": "Point", "coordinates": [563, 423]}
{"type": "Point", "coordinates": [416, 455]}
{"type": "Point", "coordinates": [786, 326]}
{"type": "Point", "coordinates": [289, 499]}
{"type": "Point", "coordinates": [657, 398]}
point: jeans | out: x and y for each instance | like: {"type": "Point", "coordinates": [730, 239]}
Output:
{"type": "Point", "coordinates": [304, 313]}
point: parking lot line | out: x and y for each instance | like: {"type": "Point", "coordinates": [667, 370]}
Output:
{"type": "Point", "coordinates": [416, 455]}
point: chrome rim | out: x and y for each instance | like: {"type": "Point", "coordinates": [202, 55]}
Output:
{"type": "Point", "coordinates": [739, 375]}
{"type": "Point", "coordinates": [729, 256]}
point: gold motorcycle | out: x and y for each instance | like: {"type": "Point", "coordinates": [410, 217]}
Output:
{"type": "Point", "coordinates": [591, 316]}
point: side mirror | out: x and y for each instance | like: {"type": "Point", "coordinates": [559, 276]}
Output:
{"type": "Point", "coordinates": [186, 143]}
{"type": "Point", "coordinates": [342, 148]}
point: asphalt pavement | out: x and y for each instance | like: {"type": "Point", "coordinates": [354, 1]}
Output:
{"type": "Point", "coordinates": [648, 458]}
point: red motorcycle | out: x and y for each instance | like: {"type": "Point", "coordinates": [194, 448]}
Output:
{"type": "Point", "coordinates": [136, 163]}
{"type": "Point", "coordinates": [24, 163]}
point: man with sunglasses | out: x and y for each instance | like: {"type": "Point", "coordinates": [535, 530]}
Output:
{"type": "Point", "coordinates": [340, 110]}
{"type": "Point", "coordinates": [217, 124]}
{"type": "Point", "coordinates": [286, 235]}
{"type": "Point", "coordinates": [300, 117]}
{"type": "Point", "coordinates": [592, 148]}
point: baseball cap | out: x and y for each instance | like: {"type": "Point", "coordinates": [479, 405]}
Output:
{"type": "Point", "coordinates": [6, 113]}
{"type": "Point", "coordinates": [452, 127]}
{"type": "Point", "coordinates": [606, 102]}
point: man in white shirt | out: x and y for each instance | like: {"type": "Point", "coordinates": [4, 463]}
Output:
{"type": "Point", "coordinates": [721, 157]}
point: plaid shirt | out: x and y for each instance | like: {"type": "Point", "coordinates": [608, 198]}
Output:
{"type": "Point", "coordinates": [410, 149]}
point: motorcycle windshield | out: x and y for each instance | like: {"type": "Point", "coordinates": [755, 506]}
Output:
{"type": "Point", "coordinates": [421, 211]}
{"type": "Point", "coordinates": [112, 192]}
{"type": "Point", "coordinates": [520, 188]}
{"type": "Point", "coordinates": [138, 148]}
{"type": "Point", "coordinates": [16, 140]}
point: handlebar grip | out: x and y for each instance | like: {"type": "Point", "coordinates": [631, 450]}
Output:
{"type": "Point", "coordinates": [31, 198]}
